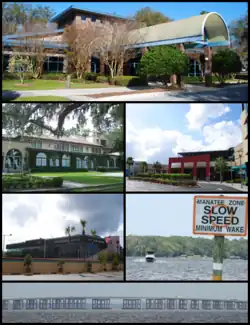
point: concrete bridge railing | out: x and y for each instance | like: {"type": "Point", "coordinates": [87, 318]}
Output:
{"type": "Point", "coordinates": [121, 303]}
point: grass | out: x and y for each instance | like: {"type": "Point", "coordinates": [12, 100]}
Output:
{"type": "Point", "coordinates": [14, 85]}
{"type": "Point", "coordinates": [42, 99]}
{"type": "Point", "coordinates": [91, 178]}
{"type": "Point", "coordinates": [115, 188]}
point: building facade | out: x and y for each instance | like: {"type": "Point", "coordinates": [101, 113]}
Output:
{"type": "Point", "coordinates": [191, 35]}
{"type": "Point", "coordinates": [77, 246]}
{"type": "Point", "coordinates": [44, 153]}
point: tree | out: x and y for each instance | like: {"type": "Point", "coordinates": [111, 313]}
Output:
{"type": "Point", "coordinates": [221, 166]}
{"type": "Point", "coordinates": [83, 224]}
{"type": "Point", "coordinates": [157, 166]}
{"type": "Point", "coordinates": [21, 65]}
{"type": "Point", "coordinates": [93, 232]}
{"type": "Point", "coordinates": [83, 41]}
{"type": "Point", "coordinates": [144, 166]}
{"type": "Point", "coordinates": [69, 230]}
{"type": "Point", "coordinates": [112, 41]}
{"type": "Point", "coordinates": [130, 162]}
{"type": "Point", "coordinates": [162, 62]}
{"type": "Point", "coordinates": [203, 12]}
{"type": "Point", "coordinates": [225, 62]}
{"type": "Point", "coordinates": [149, 17]}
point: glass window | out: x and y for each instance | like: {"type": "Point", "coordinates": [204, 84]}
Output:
{"type": "Point", "coordinates": [54, 162]}
{"type": "Point", "coordinates": [171, 303]}
{"type": "Point", "coordinates": [206, 304]}
{"type": "Point", "coordinates": [65, 161]}
{"type": "Point", "coordinates": [195, 304]}
{"type": "Point", "coordinates": [93, 19]}
{"type": "Point", "coordinates": [5, 304]}
{"type": "Point", "coordinates": [41, 159]}
{"type": "Point", "coordinates": [229, 305]}
{"type": "Point", "coordinates": [83, 17]}
{"type": "Point", "coordinates": [183, 304]}
{"type": "Point", "coordinates": [13, 159]}
{"type": "Point", "coordinates": [131, 303]}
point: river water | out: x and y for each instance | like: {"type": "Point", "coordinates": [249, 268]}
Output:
{"type": "Point", "coordinates": [183, 269]}
{"type": "Point", "coordinates": [126, 316]}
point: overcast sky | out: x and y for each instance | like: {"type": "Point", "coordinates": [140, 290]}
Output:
{"type": "Point", "coordinates": [31, 216]}
{"type": "Point", "coordinates": [185, 290]}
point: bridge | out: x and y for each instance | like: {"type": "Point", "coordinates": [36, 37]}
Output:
{"type": "Point", "coordinates": [121, 303]}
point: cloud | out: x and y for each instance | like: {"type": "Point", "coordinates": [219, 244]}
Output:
{"type": "Point", "coordinates": [47, 215]}
{"type": "Point", "coordinates": [199, 114]}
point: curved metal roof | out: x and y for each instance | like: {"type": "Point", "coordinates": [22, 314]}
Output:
{"type": "Point", "coordinates": [209, 28]}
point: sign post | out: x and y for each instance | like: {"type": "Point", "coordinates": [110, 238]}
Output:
{"type": "Point", "coordinates": [220, 216]}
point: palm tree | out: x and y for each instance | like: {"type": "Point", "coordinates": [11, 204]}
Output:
{"type": "Point", "coordinates": [144, 166]}
{"type": "Point", "coordinates": [221, 166]}
{"type": "Point", "coordinates": [69, 230]}
{"type": "Point", "coordinates": [130, 162]}
{"type": "Point", "coordinates": [93, 232]}
{"type": "Point", "coordinates": [83, 224]}
{"type": "Point", "coordinates": [157, 166]}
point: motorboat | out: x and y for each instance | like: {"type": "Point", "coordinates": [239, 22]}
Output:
{"type": "Point", "coordinates": [150, 257]}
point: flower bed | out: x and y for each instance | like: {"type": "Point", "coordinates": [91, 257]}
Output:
{"type": "Point", "coordinates": [22, 181]}
{"type": "Point", "coordinates": [187, 182]}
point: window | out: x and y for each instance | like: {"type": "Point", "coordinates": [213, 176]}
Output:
{"type": "Point", "coordinates": [79, 163]}
{"type": "Point", "coordinates": [58, 303]}
{"type": "Point", "coordinates": [154, 303]}
{"type": "Point", "coordinates": [17, 304]}
{"type": "Point", "coordinates": [13, 159]}
{"type": "Point", "coordinates": [53, 64]}
{"type": "Point", "coordinates": [44, 303]}
{"type": "Point", "coordinates": [65, 161]}
{"type": "Point", "coordinates": [65, 147]}
{"type": "Point", "coordinates": [54, 161]}
{"type": "Point", "coordinates": [100, 303]}
{"type": "Point", "coordinates": [206, 304]}
{"type": "Point", "coordinates": [36, 144]}
{"type": "Point", "coordinates": [183, 304]}
{"type": "Point", "coordinates": [218, 304]}
{"type": "Point", "coordinates": [93, 19]}
{"type": "Point", "coordinates": [171, 303]}
{"type": "Point", "coordinates": [103, 142]}
{"type": "Point", "coordinates": [242, 305]}
{"type": "Point", "coordinates": [83, 17]}
{"type": "Point", "coordinates": [31, 304]}
{"type": "Point", "coordinates": [41, 159]}
{"type": "Point", "coordinates": [229, 305]}
{"type": "Point", "coordinates": [131, 304]}
{"type": "Point", "coordinates": [194, 68]}
{"type": "Point", "coordinates": [5, 304]}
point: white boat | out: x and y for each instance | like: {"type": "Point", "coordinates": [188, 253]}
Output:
{"type": "Point", "coordinates": [150, 257]}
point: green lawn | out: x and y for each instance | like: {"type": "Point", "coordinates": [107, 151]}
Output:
{"type": "Point", "coordinates": [94, 178]}
{"type": "Point", "coordinates": [42, 99]}
{"type": "Point", "coordinates": [115, 188]}
{"type": "Point", "coordinates": [48, 84]}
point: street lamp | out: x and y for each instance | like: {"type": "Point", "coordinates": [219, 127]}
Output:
{"type": "Point", "coordinates": [4, 240]}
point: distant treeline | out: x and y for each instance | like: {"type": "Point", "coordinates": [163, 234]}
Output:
{"type": "Point", "coordinates": [175, 246]}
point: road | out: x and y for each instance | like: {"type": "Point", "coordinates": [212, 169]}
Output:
{"type": "Point", "coordinates": [235, 93]}
{"type": "Point", "coordinates": [139, 186]}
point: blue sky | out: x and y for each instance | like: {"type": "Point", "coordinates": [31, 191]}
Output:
{"type": "Point", "coordinates": [159, 131]}
{"type": "Point", "coordinates": [161, 214]}
{"type": "Point", "coordinates": [228, 10]}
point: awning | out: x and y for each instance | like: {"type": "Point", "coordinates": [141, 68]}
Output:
{"type": "Point", "coordinates": [239, 167]}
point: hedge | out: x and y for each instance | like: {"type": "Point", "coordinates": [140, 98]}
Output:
{"type": "Point", "coordinates": [102, 79]}
{"type": "Point", "coordinates": [106, 169]}
{"type": "Point", "coordinates": [130, 81]}
{"type": "Point", "coordinates": [166, 176]}
{"type": "Point", "coordinates": [30, 182]}
{"type": "Point", "coordinates": [57, 170]}
{"type": "Point", "coordinates": [196, 79]}
{"type": "Point", "coordinates": [54, 76]}
{"type": "Point", "coordinates": [165, 181]}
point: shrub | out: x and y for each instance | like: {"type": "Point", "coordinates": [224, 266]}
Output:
{"type": "Point", "coordinates": [166, 176]}
{"type": "Point", "coordinates": [187, 182]}
{"type": "Point", "coordinates": [130, 81]}
{"type": "Point", "coordinates": [14, 76]}
{"type": "Point", "coordinates": [102, 79]}
{"type": "Point", "coordinates": [91, 76]}
{"type": "Point", "coordinates": [56, 169]}
{"type": "Point", "coordinates": [225, 62]}
{"type": "Point", "coordinates": [54, 76]}
{"type": "Point", "coordinates": [106, 169]}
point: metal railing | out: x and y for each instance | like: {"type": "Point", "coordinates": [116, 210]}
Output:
{"type": "Point", "coordinates": [121, 303]}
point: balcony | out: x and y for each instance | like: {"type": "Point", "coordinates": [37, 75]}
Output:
{"type": "Point", "coordinates": [244, 117]}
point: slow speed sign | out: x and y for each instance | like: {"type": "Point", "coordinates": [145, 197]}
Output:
{"type": "Point", "coordinates": [220, 215]}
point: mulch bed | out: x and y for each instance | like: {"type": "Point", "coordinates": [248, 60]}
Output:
{"type": "Point", "coordinates": [132, 92]}
{"type": "Point", "coordinates": [22, 85]}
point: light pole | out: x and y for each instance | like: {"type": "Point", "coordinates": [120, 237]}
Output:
{"type": "Point", "coordinates": [4, 240]}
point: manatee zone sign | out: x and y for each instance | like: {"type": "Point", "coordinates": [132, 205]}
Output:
{"type": "Point", "coordinates": [220, 215]}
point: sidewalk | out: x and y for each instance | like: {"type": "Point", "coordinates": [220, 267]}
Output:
{"type": "Point", "coordinates": [236, 186]}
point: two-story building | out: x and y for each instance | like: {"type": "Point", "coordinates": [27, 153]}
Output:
{"type": "Point", "coordinates": [57, 154]}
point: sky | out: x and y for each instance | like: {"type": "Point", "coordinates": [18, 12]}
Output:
{"type": "Point", "coordinates": [229, 10]}
{"type": "Point", "coordinates": [158, 131]}
{"type": "Point", "coordinates": [186, 290]}
{"type": "Point", "coordinates": [47, 215]}
{"type": "Point", "coordinates": [161, 214]}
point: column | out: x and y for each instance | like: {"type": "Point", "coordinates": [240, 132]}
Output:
{"type": "Point", "coordinates": [88, 67]}
{"type": "Point", "coordinates": [102, 65]}
{"type": "Point", "coordinates": [208, 66]}
{"type": "Point", "coordinates": [182, 167]}
{"type": "Point", "coordinates": [65, 64]}
{"type": "Point", "coordinates": [207, 171]}
{"type": "Point", "coordinates": [108, 163]}
{"type": "Point", "coordinates": [114, 158]}
{"type": "Point", "coordinates": [195, 171]}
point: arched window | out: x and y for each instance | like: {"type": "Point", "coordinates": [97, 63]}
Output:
{"type": "Point", "coordinates": [13, 159]}
{"type": "Point", "coordinates": [65, 161]}
{"type": "Point", "coordinates": [54, 161]}
{"type": "Point", "coordinates": [41, 159]}
{"type": "Point", "coordinates": [79, 163]}
{"type": "Point", "coordinates": [85, 162]}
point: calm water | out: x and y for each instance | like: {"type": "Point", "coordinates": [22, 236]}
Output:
{"type": "Point", "coordinates": [177, 269]}
{"type": "Point", "coordinates": [129, 317]}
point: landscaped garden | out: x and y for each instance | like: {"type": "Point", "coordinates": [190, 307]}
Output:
{"type": "Point", "coordinates": [167, 179]}
{"type": "Point", "coordinates": [42, 98]}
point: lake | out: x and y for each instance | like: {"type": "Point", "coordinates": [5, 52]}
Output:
{"type": "Point", "coordinates": [183, 269]}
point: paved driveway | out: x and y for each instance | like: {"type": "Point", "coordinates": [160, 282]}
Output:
{"type": "Point", "coordinates": [139, 186]}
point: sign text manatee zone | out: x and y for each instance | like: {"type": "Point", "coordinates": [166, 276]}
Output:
{"type": "Point", "coordinates": [220, 215]}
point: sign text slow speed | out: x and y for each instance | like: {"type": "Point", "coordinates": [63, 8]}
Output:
{"type": "Point", "coordinates": [220, 215]}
